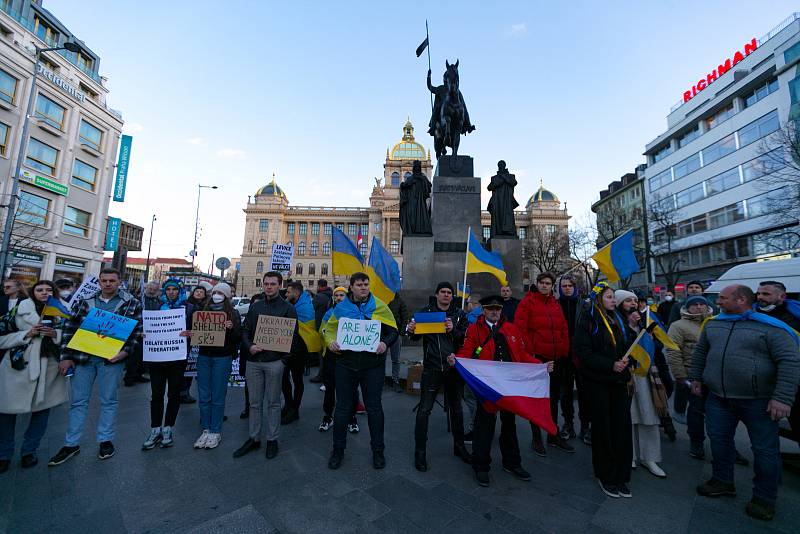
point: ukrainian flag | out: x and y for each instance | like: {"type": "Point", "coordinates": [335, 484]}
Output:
{"type": "Point", "coordinates": [430, 323]}
{"type": "Point", "coordinates": [306, 323]}
{"type": "Point", "coordinates": [657, 329]}
{"type": "Point", "coordinates": [54, 308]}
{"type": "Point", "coordinates": [383, 271]}
{"type": "Point", "coordinates": [463, 291]}
{"type": "Point", "coordinates": [642, 352]}
{"type": "Point", "coordinates": [346, 257]}
{"type": "Point", "coordinates": [482, 261]}
{"type": "Point", "coordinates": [617, 259]}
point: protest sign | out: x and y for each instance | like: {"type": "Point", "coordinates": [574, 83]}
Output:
{"type": "Point", "coordinates": [358, 335]}
{"type": "Point", "coordinates": [90, 286]}
{"type": "Point", "coordinates": [191, 361]}
{"type": "Point", "coordinates": [236, 379]}
{"type": "Point", "coordinates": [281, 259]}
{"type": "Point", "coordinates": [208, 328]}
{"type": "Point", "coordinates": [162, 341]}
{"type": "Point", "coordinates": [102, 333]}
{"type": "Point", "coordinates": [274, 333]}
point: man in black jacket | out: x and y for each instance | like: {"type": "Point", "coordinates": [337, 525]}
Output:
{"type": "Point", "coordinates": [437, 374]}
{"type": "Point", "coordinates": [570, 303]}
{"type": "Point", "coordinates": [509, 303]}
{"type": "Point", "coordinates": [265, 367]}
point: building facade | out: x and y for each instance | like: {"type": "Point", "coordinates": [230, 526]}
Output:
{"type": "Point", "coordinates": [70, 152]}
{"type": "Point", "coordinates": [711, 174]}
{"type": "Point", "coordinates": [270, 219]}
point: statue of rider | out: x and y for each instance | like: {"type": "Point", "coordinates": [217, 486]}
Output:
{"type": "Point", "coordinates": [440, 91]}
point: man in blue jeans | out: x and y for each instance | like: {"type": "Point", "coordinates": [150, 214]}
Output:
{"type": "Point", "coordinates": [750, 364]}
{"type": "Point", "coordinates": [88, 368]}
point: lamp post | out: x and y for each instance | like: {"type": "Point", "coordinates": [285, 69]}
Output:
{"type": "Point", "coordinates": [197, 220]}
{"type": "Point", "coordinates": [149, 244]}
{"type": "Point", "coordinates": [23, 143]}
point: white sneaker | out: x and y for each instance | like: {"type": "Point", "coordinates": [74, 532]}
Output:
{"type": "Point", "coordinates": [202, 440]}
{"type": "Point", "coordinates": [633, 464]}
{"type": "Point", "coordinates": [654, 469]}
{"type": "Point", "coordinates": [322, 387]}
{"type": "Point", "coordinates": [213, 440]}
{"type": "Point", "coordinates": [153, 439]}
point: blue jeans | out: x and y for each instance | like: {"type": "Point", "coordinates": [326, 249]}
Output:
{"type": "Point", "coordinates": [33, 435]}
{"type": "Point", "coordinates": [722, 416]}
{"type": "Point", "coordinates": [108, 377]}
{"type": "Point", "coordinates": [347, 382]}
{"type": "Point", "coordinates": [212, 388]}
{"type": "Point", "coordinates": [394, 352]}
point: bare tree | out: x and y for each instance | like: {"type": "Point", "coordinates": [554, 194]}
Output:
{"type": "Point", "coordinates": [545, 247]}
{"type": "Point", "coordinates": [661, 216]}
{"type": "Point", "coordinates": [582, 237]}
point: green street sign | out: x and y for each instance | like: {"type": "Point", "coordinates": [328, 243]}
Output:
{"type": "Point", "coordinates": [44, 183]}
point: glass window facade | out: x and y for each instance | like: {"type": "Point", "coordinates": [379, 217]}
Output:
{"type": "Point", "coordinates": [327, 228]}
{"type": "Point", "coordinates": [759, 128]}
{"type": "Point", "coordinates": [262, 246]}
{"type": "Point", "coordinates": [50, 112]}
{"type": "Point", "coordinates": [32, 209]}
{"type": "Point", "coordinates": [76, 222]}
{"type": "Point", "coordinates": [301, 248]}
{"type": "Point", "coordinates": [8, 87]}
{"type": "Point", "coordinates": [303, 228]}
{"type": "Point", "coordinates": [314, 249]}
{"type": "Point", "coordinates": [90, 136]}
{"type": "Point", "coordinates": [688, 137]}
{"type": "Point", "coordinates": [761, 92]}
{"type": "Point", "coordinates": [263, 225]}
{"type": "Point", "coordinates": [663, 153]}
{"type": "Point", "coordinates": [721, 148]}
{"type": "Point", "coordinates": [4, 133]}
{"type": "Point", "coordinates": [690, 164]}
{"type": "Point", "coordinates": [326, 249]}
{"type": "Point", "coordinates": [83, 175]}
{"type": "Point", "coordinates": [314, 228]}
{"type": "Point", "coordinates": [352, 228]}
{"type": "Point", "coordinates": [719, 117]}
{"type": "Point", "coordinates": [290, 228]}
{"type": "Point", "coordinates": [41, 157]}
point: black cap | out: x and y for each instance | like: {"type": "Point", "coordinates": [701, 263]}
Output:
{"type": "Point", "coordinates": [442, 285]}
{"type": "Point", "coordinates": [64, 282]}
{"type": "Point", "coordinates": [492, 301]}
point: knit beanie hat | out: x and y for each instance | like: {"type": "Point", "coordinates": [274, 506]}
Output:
{"type": "Point", "coordinates": [205, 285]}
{"type": "Point", "coordinates": [622, 294]}
{"type": "Point", "coordinates": [442, 285]}
{"type": "Point", "coordinates": [340, 288]}
{"type": "Point", "coordinates": [695, 299]}
{"type": "Point", "coordinates": [223, 288]}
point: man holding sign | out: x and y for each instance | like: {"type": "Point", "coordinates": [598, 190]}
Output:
{"type": "Point", "coordinates": [269, 336]}
{"type": "Point", "coordinates": [358, 333]}
{"type": "Point", "coordinates": [122, 308]}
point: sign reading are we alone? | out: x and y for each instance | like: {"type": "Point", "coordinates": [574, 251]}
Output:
{"type": "Point", "coordinates": [358, 335]}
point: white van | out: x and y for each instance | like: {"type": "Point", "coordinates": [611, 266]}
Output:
{"type": "Point", "coordinates": [750, 274]}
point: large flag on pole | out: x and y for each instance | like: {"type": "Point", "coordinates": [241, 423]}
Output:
{"type": "Point", "coordinates": [658, 331]}
{"type": "Point", "coordinates": [383, 271]}
{"type": "Point", "coordinates": [617, 259]}
{"type": "Point", "coordinates": [520, 388]}
{"type": "Point", "coordinates": [346, 257]}
{"type": "Point", "coordinates": [480, 260]}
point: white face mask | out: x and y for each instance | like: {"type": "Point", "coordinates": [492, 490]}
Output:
{"type": "Point", "coordinates": [217, 298]}
{"type": "Point", "coordinates": [64, 294]}
{"type": "Point", "coordinates": [668, 298]}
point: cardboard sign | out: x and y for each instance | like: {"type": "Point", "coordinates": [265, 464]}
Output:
{"type": "Point", "coordinates": [191, 361]}
{"type": "Point", "coordinates": [281, 259]}
{"type": "Point", "coordinates": [90, 286]}
{"type": "Point", "coordinates": [162, 341]}
{"type": "Point", "coordinates": [274, 333]}
{"type": "Point", "coordinates": [358, 335]}
{"type": "Point", "coordinates": [208, 328]}
{"type": "Point", "coordinates": [102, 333]}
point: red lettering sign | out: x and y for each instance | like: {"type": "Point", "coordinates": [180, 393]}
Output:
{"type": "Point", "coordinates": [721, 69]}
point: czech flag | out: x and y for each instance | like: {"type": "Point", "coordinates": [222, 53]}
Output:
{"type": "Point", "coordinates": [642, 351]}
{"type": "Point", "coordinates": [54, 308]}
{"type": "Point", "coordinates": [617, 259]}
{"type": "Point", "coordinates": [657, 329]}
{"type": "Point", "coordinates": [383, 271]}
{"type": "Point", "coordinates": [520, 388]}
{"type": "Point", "coordinates": [346, 257]}
{"type": "Point", "coordinates": [483, 261]}
{"type": "Point", "coordinates": [463, 291]}
{"type": "Point", "coordinates": [430, 322]}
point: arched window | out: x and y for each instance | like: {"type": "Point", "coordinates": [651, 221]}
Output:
{"type": "Point", "coordinates": [314, 248]}
{"type": "Point", "coordinates": [396, 178]}
{"type": "Point", "coordinates": [312, 269]}
{"type": "Point", "coordinates": [249, 246]}
{"type": "Point", "coordinates": [394, 247]}
{"type": "Point", "coordinates": [407, 175]}
{"type": "Point", "coordinates": [301, 248]}
{"type": "Point", "coordinates": [262, 246]}
{"type": "Point", "coordinates": [326, 249]}
{"type": "Point", "coordinates": [298, 269]}
{"type": "Point", "coordinates": [324, 269]}
{"type": "Point", "coordinates": [260, 267]}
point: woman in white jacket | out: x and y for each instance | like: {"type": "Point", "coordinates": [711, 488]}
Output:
{"type": "Point", "coordinates": [29, 378]}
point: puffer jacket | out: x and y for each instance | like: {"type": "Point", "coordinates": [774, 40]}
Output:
{"type": "Point", "coordinates": [541, 320]}
{"type": "Point", "coordinates": [479, 336]}
{"type": "Point", "coordinates": [684, 332]}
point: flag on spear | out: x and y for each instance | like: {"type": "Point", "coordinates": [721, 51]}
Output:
{"type": "Point", "coordinates": [421, 48]}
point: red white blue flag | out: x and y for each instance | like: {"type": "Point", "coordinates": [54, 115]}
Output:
{"type": "Point", "coordinates": [520, 388]}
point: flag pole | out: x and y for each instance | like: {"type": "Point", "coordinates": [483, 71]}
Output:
{"type": "Point", "coordinates": [427, 38]}
{"type": "Point", "coordinates": [466, 258]}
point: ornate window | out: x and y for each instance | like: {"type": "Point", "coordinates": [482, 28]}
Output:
{"type": "Point", "coordinates": [312, 269]}
{"type": "Point", "coordinates": [326, 249]}
{"type": "Point", "coordinates": [298, 269]}
{"type": "Point", "coordinates": [260, 267]}
{"type": "Point", "coordinates": [314, 248]}
{"type": "Point", "coordinates": [324, 269]}
{"type": "Point", "coordinates": [394, 247]}
{"type": "Point", "coordinates": [396, 178]}
{"type": "Point", "coordinates": [262, 246]}
{"type": "Point", "coordinates": [301, 248]}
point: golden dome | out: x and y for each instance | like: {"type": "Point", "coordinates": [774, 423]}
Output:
{"type": "Point", "coordinates": [407, 148]}
{"type": "Point", "coordinates": [271, 190]}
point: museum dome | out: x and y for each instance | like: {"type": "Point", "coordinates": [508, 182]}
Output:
{"type": "Point", "coordinates": [543, 195]}
{"type": "Point", "coordinates": [271, 190]}
{"type": "Point", "coordinates": [408, 148]}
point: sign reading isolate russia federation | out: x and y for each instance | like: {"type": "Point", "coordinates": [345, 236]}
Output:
{"type": "Point", "coordinates": [122, 168]}
{"type": "Point", "coordinates": [721, 69]}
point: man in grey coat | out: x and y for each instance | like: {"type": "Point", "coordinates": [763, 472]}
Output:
{"type": "Point", "coordinates": [751, 366]}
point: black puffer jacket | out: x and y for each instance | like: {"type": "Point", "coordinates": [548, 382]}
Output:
{"type": "Point", "coordinates": [595, 350]}
{"type": "Point", "coordinates": [277, 307]}
{"type": "Point", "coordinates": [437, 347]}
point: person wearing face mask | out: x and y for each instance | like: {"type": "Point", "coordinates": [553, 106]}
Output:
{"type": "Point", "coordinates": [214, 368]}
{"type": "Point", "coordinates": [65, 288]}
{"type": "Point", "coordinates": [664, 309]}
{"type": "Point", "coordinates": [198, 299]}
{"type": "Point", "coordinates": [134, 366]}
{"type": "Point", "coordinates": [31, 384]}
{"type": "Point", "coordinates": [695, 287]}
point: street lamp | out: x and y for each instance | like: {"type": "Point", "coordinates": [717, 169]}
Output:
{"type": "Point", "coordinates": [197, 220]}
{"type": "Point", "coordinates": [12, 200]}
{"type": "Point", "coordinates": [149, 244]}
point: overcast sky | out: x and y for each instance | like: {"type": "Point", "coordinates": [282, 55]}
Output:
{"type": "Point", "coordinates": [226, 93]}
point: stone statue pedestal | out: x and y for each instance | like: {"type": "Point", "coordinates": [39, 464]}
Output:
{"type": "Point", "coordinates": [510, 249]}
{"type": "Point", "coordinates": [418, 266]}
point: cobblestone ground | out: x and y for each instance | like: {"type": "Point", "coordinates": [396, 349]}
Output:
{"type": "Point", "coordinates": [181, 489]}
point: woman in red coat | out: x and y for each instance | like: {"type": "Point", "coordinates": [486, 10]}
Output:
{"type": "Point", "coordinates": [540, 318]}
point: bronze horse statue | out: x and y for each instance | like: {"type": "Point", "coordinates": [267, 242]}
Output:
{"type": "Point", "coordinates": [450, 118]}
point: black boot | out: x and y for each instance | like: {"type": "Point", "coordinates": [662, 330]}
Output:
{"type": "Point", "coordinates": [420, 461]}
{"type": "Point", "coordinates": [462, 452]}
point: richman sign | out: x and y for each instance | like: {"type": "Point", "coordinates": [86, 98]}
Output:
{"type": "Point", "coordinates": [721, 69]}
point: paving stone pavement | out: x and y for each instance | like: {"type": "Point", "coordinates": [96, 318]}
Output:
{"type": "Point", "coordinates": [183, 490]}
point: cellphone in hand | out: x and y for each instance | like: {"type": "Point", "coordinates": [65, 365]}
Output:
{"type": "Point", "coordinates": [70, 372]}
{"type": "Point", "coordinates": [47, 322]}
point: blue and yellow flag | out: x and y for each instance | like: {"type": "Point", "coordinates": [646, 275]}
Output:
{"type": "Point", "coordinates": [54, 308]}
{"type": "Point", "coordinates": [373, 308]}
{"type": "Point", "coordinates": [346, 257]}
{"type": "Point", "coordinates": [102, 333]}
{"type": "Point", "coordinates": [463, 291]}
{"type": "Point", "coordinates": [642, 352]}
{"type": "Point", "coordinates": [657, 329]}
{"type": "Point", "coordinates": [617, 259]}
{"type": "Point", "coordinates": [430, 323]}
{"type": "Point", "coordinates": [306, 323]}
{"type": "Point", "coordinates": [483, 261]}
{"type": "Point", "coordinates": [383, 271]}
